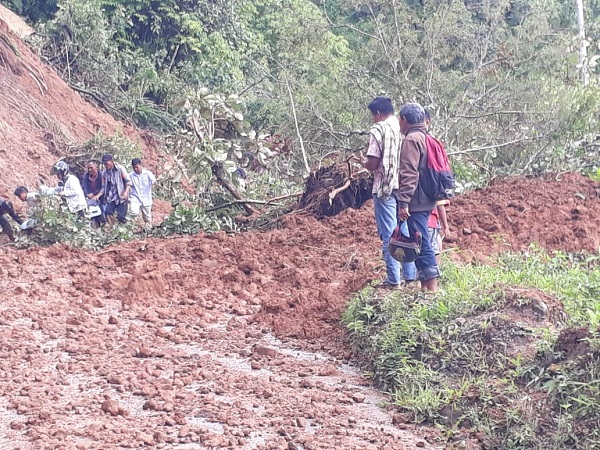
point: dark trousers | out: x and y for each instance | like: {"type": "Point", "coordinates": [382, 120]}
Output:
{"type": "Point", "coordinates": [6, 228]}
{"type": "Point", "coordinates": [121, 209]}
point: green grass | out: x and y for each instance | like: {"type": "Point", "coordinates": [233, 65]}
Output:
{"type": "Point", "coordinates": [465, 358]}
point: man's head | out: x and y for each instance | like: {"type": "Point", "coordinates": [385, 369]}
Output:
{"type": "Point", "coordinates": [61, 169]}
{"type": "Point", "coordinates": [381, 108]}
{"type": "Point", "coordinates": [136, 163]}
{"type": "Point", "coordinates": [108, 162]}
{"type": "Point", "coordinates": [411, 114]}
{"type": "Point", "coordinates": [21, 193]}
{"type": "Point", "coordinates": [93, 167]}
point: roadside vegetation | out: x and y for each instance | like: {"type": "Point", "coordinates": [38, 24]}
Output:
{"type": "Point", "coordinates": [508, 354]}
{"type": "Point", "coordinates": [279, 88]}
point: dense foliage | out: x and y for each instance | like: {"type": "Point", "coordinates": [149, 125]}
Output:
{"type": "Point", "coordinates": [500, 77]}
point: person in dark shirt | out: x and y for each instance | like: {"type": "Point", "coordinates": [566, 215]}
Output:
{"type": "Point", "coordinates": [116, 190]}
{"type": "Point", "coordinates": [6, 207]}
{"type": "Point", "coordinates": [93, 188]}
{"type": "Point", "coordinates": [92, 182]}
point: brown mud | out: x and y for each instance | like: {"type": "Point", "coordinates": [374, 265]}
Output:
{"type": "Point", "coordinates": [207, 342]}
{"type": "Point", "coordinates": [558, 212]}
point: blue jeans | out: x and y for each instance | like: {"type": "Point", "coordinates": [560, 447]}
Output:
{"type": "Point", "coordinates": [387, 220]}
{"type": "Point", "coordinates": [426, 263]}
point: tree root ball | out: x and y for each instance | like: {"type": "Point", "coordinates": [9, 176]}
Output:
{"type": "Point", "coordinates": [320, 184]}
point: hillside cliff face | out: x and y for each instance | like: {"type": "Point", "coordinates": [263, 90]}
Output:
{"type": "Point", "coordinates": [40, 115]}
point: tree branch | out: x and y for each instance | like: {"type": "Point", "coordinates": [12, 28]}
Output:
{"type": "Point", "coordinates": [306, 166]}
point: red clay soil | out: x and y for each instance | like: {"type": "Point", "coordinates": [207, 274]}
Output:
{"type": "Point", "coordinates": [558, 212]}
{"type": "Point", "coordinates": [39, 114]}
{"type": "Point", "coordinates": [168, 342]}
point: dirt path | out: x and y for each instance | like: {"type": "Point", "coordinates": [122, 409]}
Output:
{"type": "Point", "coordinates": [176, 338]}
{"type": "Point", "coordinates": [240, 388]}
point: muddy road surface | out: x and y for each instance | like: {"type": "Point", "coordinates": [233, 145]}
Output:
{"type": "Point", "coordinates": [207, 342]}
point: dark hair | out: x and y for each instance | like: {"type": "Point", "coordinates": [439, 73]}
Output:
{"type": "Point", "coordinates": [135, 162]}
{"type": "Point", "coordinates": [94, 162]}
{"type": "Point", "coordinates": [413, 113]}
{"type": "Point", "coordinates": [427, 115]}
{"type": "Point", "coordinates": [382, 105]}
{"type": "Point", "coordinates": [21, 189]}
{"type": "Point", "coordinates": [107, 157]}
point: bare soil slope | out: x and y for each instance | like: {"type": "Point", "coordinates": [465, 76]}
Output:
{"type": "Point", "coordinates": [39, 113]}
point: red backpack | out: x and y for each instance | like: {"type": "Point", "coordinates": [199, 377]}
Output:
{"type": "Point", "coordinates": [437, 181]}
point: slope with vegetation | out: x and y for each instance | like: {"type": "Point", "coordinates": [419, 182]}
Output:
{"type": "Point", "coordinates": [245, 99]}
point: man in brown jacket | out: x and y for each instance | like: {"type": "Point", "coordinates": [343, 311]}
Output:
{"type": "Point", "coordinates": [414, 206]}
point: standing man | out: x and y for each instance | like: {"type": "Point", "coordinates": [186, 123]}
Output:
{"type": "Point", "coordinates": [6, 207]}
{"type": "Point", "coordinates": [414, 206]}
{"type": "Point", "coordinates": [94, 190]}
{"type": "Point", "coordinates": [382, 160]}
{"type": "Point", "coordinates": [116, 189]}
{"type": "Point", "coordinates": [141, 193]}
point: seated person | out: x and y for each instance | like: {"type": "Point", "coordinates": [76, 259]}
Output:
{"type": "Point", "coordinates": [6, 207]}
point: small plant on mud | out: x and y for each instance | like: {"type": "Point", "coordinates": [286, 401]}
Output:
{"type": "Point", "coordinates": [193, 220]}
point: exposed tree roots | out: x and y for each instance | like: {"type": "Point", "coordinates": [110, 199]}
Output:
{"type": "Point", "coordinates": [332, 189]}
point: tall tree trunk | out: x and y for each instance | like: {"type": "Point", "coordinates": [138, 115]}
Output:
{"type": "Point", "coordinates": [585, 76]}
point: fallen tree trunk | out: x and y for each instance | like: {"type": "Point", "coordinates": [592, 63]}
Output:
{"type": "Point", "coordinates": [221, 176]}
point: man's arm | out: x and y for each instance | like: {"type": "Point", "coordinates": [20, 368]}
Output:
{"type": "Point", "coordinates": [443, 219]}
{"type": "Point", "coordinates": [151, 177]}
{"type": "Point", "coordinates": [371, 163]}
{"type": "Point", "coordinates": [374, 154]}
{"type": "Point", "coordinates": [127, 182]}
{"type": "Point", "coordinates": [100, 191]}
{"type": "Point", "coordinates": [11, 212]}
{"type": "Point", "coordinates": [410, 157]}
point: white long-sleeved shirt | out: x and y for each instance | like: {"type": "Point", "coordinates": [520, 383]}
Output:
{"type": "Point", "coordinates": [73, 193]}
{"type": "Point", "coordinates": [142, 186]}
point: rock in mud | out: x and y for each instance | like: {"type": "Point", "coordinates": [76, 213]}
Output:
{"type": "Point", "coordinates": [264, 351]}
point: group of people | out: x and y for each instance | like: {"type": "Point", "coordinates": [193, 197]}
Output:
{"type": "Point", "coordinates": [103, 196]}
{"type": "Point", "coordinates": [397, 157]}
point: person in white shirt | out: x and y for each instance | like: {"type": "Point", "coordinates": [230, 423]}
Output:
{"type": "Point", "coordinates": [141, 193]}
{"type": "Point", "coordinates": [71, 189]}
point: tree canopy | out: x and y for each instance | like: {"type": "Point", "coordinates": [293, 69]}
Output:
{"type": "Point", "coordinates": [500, 77]}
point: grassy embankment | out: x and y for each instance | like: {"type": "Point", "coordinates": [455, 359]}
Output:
{"type": "Point", "coordinates": [504, 353]}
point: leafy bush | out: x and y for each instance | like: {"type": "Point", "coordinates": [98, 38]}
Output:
{"type": "Point", "coordinates": [56, 224]}
{"type": "Point", "coordinates": [118, 145]}
{"type": "Point", "coordinates": [193, 220]}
